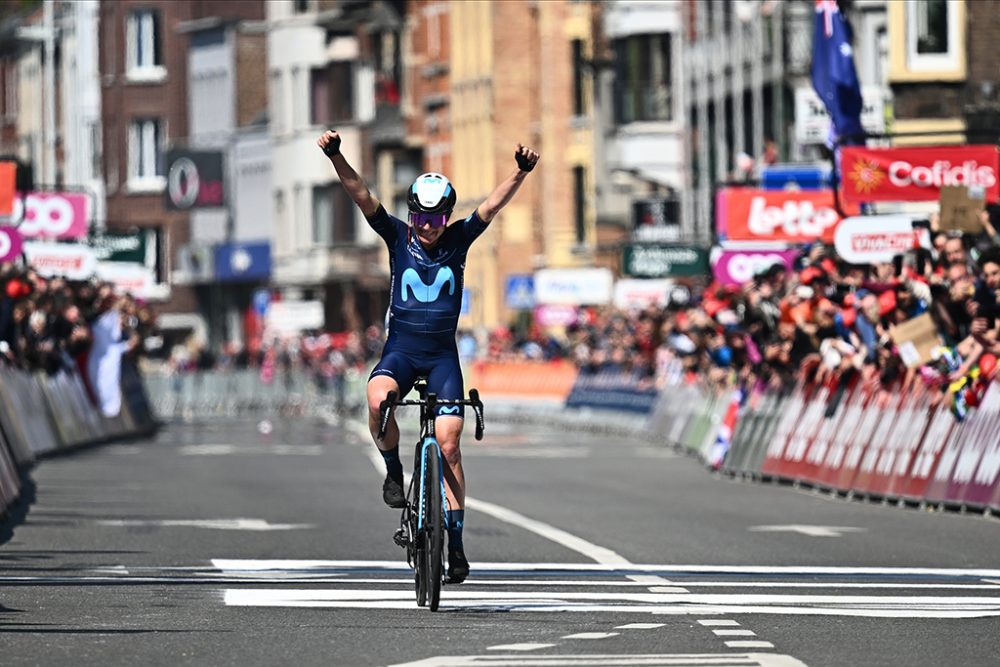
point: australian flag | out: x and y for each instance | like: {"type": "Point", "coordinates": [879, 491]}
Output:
{"type": "Point", "coordinates": [833, 73]}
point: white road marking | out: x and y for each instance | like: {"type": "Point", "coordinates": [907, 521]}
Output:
{"type": "Point", "coordinates": [717, 623]}
{"type": "Point", "coordinates": [734, 633]}
{"type": "Point", "coordinates": [533, 453]}
{"type": "Point", "coordinates": [518, 647]}
{"type": "Point", "coordinates": [613, 569]}
{"type": "Point", "coordinates": [212, 524]}
{"type": "Point", "coordinates": [749, 644]}
{"type": "Point", "coordinates": [640, 626]}
{"type": "Point", "coordinates": [650, 603]}
{"type": "Point", "coordinates": [811, 531]}
{"type": "Point", "coordinates": [637, 660]}
{"type": "Point", "coordinates": [272, 449]}
{"type": "Point", "coordinates": [591, 635]}
{"type": "Point", "coordinates": [599, 554]}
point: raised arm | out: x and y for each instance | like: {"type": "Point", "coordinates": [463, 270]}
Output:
{"type": "Point", "coordinates": [526, 159]}
{"type": "Point", "coordinates": [356, 187]}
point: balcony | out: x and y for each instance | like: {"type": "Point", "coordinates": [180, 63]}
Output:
{"type": "Point", "coordinates": [388, 127]}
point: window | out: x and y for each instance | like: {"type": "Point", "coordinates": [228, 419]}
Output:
{"type": "Point", "coordinates": [578, 109]}
{"type": "Point", "coordinates": [932, 35]}
{"type": "Point", "coordinates": [95, 148]}
{"type": "Point", "coordinates": [580, 203]}
{"type": "Point", "coordinates": [343, 215]}
{"type": "Point", "coordinates": [301, 6]}
{"type": "Point", "coordinates": [322, 216]}
{"type": "Point", "coordinates": [145, 50]}
{"type": "Point", "coordinates": [145, 155]}
{"type": "Point", "coordinates": [333, 215]}
{"type": "Point", "coordinates": [341, 83]}
{"type": "Point", "coordinates": [319, 94]}
{"type": "Point", "coordinates": [9, 100]}
{"type": "Point", "coordinates": [644, 77]}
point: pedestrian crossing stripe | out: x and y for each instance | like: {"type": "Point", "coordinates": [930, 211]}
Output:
{"type": "Point", "coordinates": [638, 660]}
{"type": "Point", "coordinates": [356, 588]}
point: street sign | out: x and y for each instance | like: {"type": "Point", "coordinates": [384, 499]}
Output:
{"type": "Point", "coordinates": [261, 301]}
{"type": "Point", "coordinates": [520, 292]}
{"type": "Point", "coordinates": [664, 261]}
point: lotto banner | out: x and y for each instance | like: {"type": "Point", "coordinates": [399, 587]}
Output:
{"type": "Point", "coordinates": [792, 216]}
{"type": "Point", "coordinates": [916, 174]}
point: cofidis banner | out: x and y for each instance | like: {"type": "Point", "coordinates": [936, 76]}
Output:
{"type": "Point", "coordinates": [918, 173]}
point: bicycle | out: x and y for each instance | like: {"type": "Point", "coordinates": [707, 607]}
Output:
{"type": "Point", "coordinates": [424, 520]}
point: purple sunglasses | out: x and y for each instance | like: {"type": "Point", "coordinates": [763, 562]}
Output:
{"type": "Point", "coordinates": [418, 220]}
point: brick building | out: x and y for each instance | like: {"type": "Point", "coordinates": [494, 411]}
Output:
{"type": "Point", "coordinates": [144, 102]}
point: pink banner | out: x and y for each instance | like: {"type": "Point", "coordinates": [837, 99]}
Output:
{"type": "Point", "coordinates": [52, 215]}
{"type": "Point", "coordinates": [11, 244]}
{"type": "Point", "coordinates": [737, 267]}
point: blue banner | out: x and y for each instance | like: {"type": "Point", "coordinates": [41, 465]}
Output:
{"type": "Point", "coordinates": [612, 391]}
{"type": "Point", "coordinates": [243, 262]}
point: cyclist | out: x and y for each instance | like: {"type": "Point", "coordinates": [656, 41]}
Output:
{"type": "Point", "coordinates": [427, 264]}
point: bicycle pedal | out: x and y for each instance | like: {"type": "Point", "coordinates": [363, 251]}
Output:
{"type": "Point", "coordinates": [400, 538]}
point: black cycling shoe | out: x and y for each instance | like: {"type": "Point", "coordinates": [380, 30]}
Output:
{"type": "Point", "coordinates": [458, 567]}
{"type": "Point", "coordinates": [392, 492]}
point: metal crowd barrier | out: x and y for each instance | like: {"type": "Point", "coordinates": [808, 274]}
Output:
{"type": "Point", "coordinates": [42, 415]}
{"type": "Point", "coordinates": [240, 392]}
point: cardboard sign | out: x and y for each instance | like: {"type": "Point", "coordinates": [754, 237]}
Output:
{"type": "Point", "coordinates": [915, 339]}
{"type": "Point", "coordinates": [960, 208]}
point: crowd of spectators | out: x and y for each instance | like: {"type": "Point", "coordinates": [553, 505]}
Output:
{"type": "Point", "coordinates": [826, 316]}
{"type": "Point", "coordinates": [46, 324]}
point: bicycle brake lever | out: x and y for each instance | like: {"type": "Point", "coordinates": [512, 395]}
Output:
{"type": "Point", "coordinates": [477, 407]}
{"type": "Point", "coordinates": [385, 412]}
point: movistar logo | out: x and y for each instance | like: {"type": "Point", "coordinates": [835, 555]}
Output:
{"type": "Point", "coordinates": [424, 293]}
{"type": "Point", "coordinates": [449, 410]}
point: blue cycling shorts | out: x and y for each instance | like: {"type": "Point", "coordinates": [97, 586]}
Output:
{"type": "Point", "coordinates": [405, 364]}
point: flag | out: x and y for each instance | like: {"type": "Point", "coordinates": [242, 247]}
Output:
{"type": "Point", "coordinates": [833, 73]}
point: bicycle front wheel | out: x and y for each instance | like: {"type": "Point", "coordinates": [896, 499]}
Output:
{"type": "Point", "coordinates": [433, 527]}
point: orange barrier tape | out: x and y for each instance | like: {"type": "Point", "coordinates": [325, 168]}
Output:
{"type": "Point", "coordinates": [539, 379]}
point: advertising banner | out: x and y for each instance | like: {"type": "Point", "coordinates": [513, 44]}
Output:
{"type": "Point", "coordinates": [11, 243]}
{"type": "Point", "coordinates": [8, 179]}
{"type": "Point", "coordinates": [874, 238]}
{"type": "Point", "coordinates": [664, 261]}
{"type": "Point", "coordinates": [790, 216]}
{"type": "Point", "coordinates": [74, 261]}
{"type": "Point", "coordinates": [52, 215]}
{"type": "Point", "coordinates": [574, 287]}
{"type": "Point", "coordinates": [731, 266]}
{"type": "Point", "coordinates": [636, 293]}
{"type": "Point", "coordinates": [978, 466]}
{"type": "Point", "coordinates": [917, 173]}
{"type": "Point", "coordinates": [194, 180]}
{"type": "Point", "coordinates": [129, 277]}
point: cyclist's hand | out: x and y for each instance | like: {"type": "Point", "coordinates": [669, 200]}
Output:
{"type": "Point", "coordinates": [330, 143]}
{"type": "Point", "coordinates": [526, 158]}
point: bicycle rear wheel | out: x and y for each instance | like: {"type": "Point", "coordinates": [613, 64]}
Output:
{"type": "Point", "coordinates": [433, 527]}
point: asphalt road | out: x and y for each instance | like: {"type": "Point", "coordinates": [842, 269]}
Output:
{"type": "Point", "coordinates": [215, 544]}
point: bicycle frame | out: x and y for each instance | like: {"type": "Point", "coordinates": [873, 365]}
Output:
{"type": "Point", "coordinates": [410, 532]}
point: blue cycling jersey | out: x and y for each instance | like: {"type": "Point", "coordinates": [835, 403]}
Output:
{"type": "Point", "coordinates": [426, 285]}
{"type": "Point", "coordinates": [424, 306]}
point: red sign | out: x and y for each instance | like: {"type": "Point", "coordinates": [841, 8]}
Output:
{"type": "Point", "coordinates": [803, 216]}
{"type": "Point", "coordinates": [8, 176]}
{"type": "Point", "coordinates": [916, 174]}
